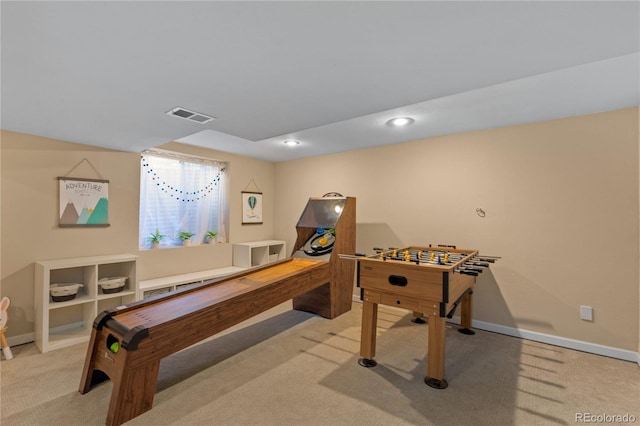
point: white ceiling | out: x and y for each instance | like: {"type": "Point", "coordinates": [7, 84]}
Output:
{"type": "Point", "coordinates": [326, 73]}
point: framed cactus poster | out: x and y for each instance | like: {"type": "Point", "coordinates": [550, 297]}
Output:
{"type": "Point", "coordinates": [83, 202]}
{"type": "Point", "coordinates": [251, 207]}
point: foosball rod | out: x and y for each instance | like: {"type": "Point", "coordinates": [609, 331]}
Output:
{"type": "Point", "coordinates": [424, 259]}
{"type": "Point", "coordinates": [442, 253]}
{"type": "Point", "coordinates": [421, 262]}
{"type": "Point", "coordinates": [482, 264]}
{"type": "Point", "coordinates": [425, 254]}
{"type": "Point", "coordinates": [487, 258]}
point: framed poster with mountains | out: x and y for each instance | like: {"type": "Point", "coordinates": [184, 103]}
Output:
{"type": "Point", "coordinates": [83, 202]}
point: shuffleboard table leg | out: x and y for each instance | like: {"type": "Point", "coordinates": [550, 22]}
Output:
{"type": "Point", "coordinates": [133, 391]}
{"type": "Point", "coordinates": [368, 334]}
{"type": "Point", "coordinates": [88, 372]}
{"type": "Point", "coordinates": [466, 308]}
{"type": "Point", "coordinates": [435, 353]}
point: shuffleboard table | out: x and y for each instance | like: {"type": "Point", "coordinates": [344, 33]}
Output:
{"type": "Point", "coordinates": [127, 343]}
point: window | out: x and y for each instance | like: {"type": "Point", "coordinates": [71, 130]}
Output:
{"type": "Point", "coordinates": [180, 194]}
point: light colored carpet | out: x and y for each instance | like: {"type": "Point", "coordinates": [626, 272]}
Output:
{"type": "Point", "coordinates": [286, 367]}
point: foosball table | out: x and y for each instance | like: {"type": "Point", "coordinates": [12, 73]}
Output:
{"type": "Point", "coordinates": [430, 281]}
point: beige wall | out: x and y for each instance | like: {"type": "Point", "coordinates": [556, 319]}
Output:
{"type": "Point", "coordinates": [29, 231]}
{"type": "Point", "coordinates": [561, 200]}
{"type": "Point", "coordinates": [561, 203]}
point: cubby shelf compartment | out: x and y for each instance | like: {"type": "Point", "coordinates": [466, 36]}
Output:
{"type": "Point", "coordinates": [61, 324]}
{"type": "Point", "coordinates": [257, 253]}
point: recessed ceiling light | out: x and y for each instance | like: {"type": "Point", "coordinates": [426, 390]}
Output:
{"type": "Point", "coordinates": [400, 121]}
{"type": "Point", "coordinates": [291, 142]}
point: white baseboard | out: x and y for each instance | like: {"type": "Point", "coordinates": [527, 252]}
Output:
{"type": "Point", "coordinates": [535, 336]}
{"type": "Point", "coordinates": [21, 339]}
{"type": "Point", "coordinates": [564, 342]}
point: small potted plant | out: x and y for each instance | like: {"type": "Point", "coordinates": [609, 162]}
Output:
{"type": "Point", "coordinates": [155, 239]}
{"type": "Point", "coordinates": [210, 237]}
{"type": "Point", "coordinates": [185, 237]}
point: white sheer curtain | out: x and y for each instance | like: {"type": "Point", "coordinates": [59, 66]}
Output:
{"type": "Point", "coordinates": [180, 195]}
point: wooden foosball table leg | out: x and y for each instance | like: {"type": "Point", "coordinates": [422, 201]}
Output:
{"type": "Point", "coordinates": [368, 334]}
{"type": "Point", "coordinates": [466, 308]}
{"type": "Point", "coordinates": [417, 318]}
{"type": "Point", "coordinates": [435, 353]}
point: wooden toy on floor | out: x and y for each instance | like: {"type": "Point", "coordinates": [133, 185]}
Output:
{"type": "Point", "coordinates": [4, 319]}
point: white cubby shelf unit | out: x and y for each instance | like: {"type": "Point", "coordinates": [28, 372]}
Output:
{"type": "Point", "coordinates": [155, 286]}
{"type": "Point", "coordinates": [257, 253]}
{"type": "Point", "coordinates": [61, 324]}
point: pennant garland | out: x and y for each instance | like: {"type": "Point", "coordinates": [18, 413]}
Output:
{"type": "Point", "coordinates": [177, 193]}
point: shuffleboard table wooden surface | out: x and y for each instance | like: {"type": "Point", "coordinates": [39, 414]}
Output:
{"type": "Point", "coordinates": [127, 343]}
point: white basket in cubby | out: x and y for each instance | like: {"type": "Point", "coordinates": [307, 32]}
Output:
{"type": "Point", "coordinates": [112, 284]}
{"type": "Point", "coordinates": [62, 292]}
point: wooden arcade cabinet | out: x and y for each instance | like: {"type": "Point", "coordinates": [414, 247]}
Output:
{"type": "Point", "coordinates": [326, 229]}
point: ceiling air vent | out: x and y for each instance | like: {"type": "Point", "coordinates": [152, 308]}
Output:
{"type": "Point", "coordinates": [190, 115]}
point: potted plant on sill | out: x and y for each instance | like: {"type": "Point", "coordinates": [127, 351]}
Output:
{"type": "Point", "coordinates": [155, 239]}
{"type": "Point", "coordinates": [185, 237]}
{"type": "Point", "coordinates": [210, 237]}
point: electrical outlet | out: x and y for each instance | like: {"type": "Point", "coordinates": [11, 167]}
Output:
{"type": "Point", "coordinates": [586, 313]}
